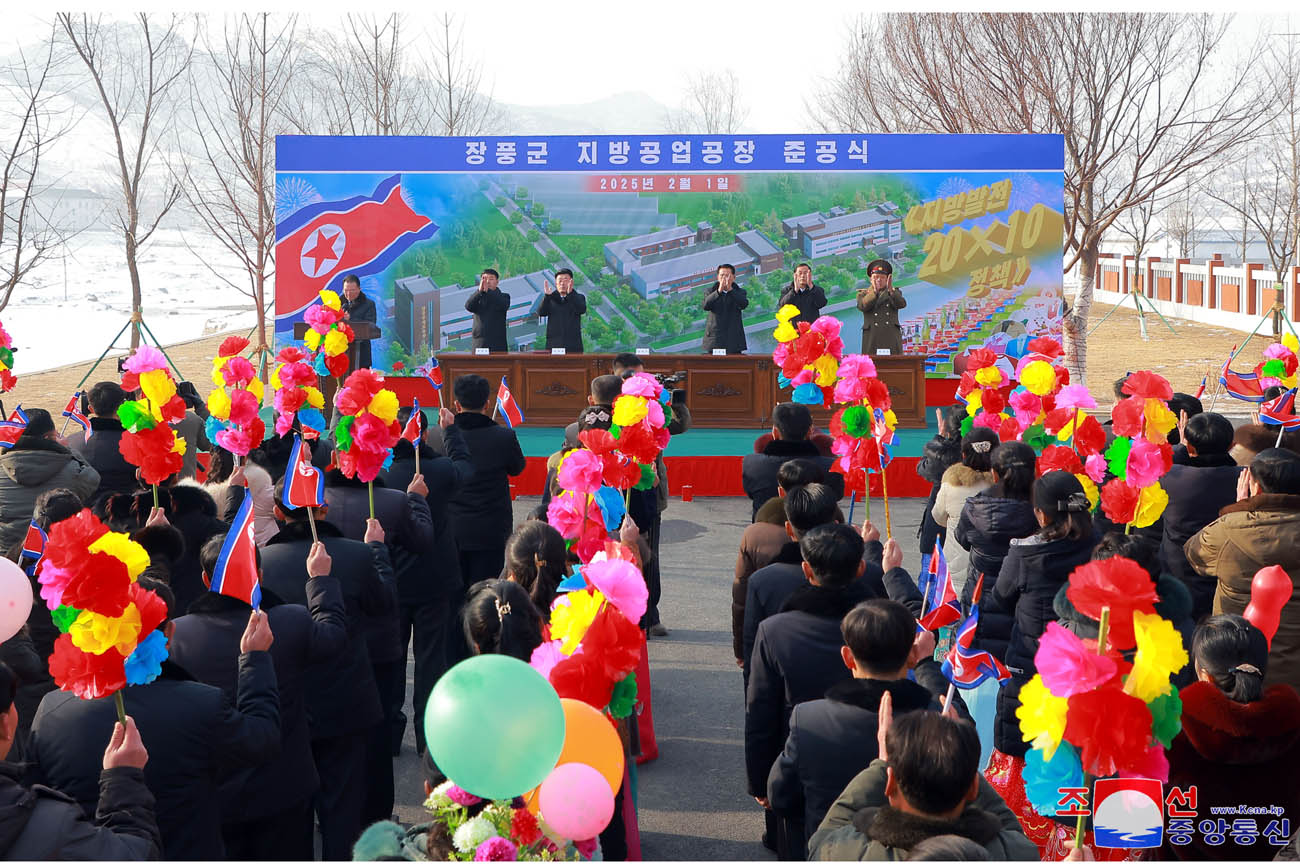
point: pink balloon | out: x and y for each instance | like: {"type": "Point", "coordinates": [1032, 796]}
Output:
{"type": "Point", "coordinates": [15, 599]}
{"type": "Point", "coordinates": [575, 800]}
{"type": "Point", "coordinates": [1270, 590]}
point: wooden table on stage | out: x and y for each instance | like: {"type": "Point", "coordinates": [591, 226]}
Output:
{"type": "Point", "coordinates": [327, 385]}
{"type": "Point", "coordinates": [721, 390]}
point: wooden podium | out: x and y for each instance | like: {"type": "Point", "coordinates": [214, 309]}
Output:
{"type": "Point", "coordinates": [727, 391]}
{"type": "Point", "coordinates": [327, 384]}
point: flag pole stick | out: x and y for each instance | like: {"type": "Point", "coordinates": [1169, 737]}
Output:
{"type": "Point", "coordinates": [121, 709]}
{"type": "Point", "coordinates": [416, 445]}
{"type": "Point", "coordinates": [947, 700]}
{"type": "Point", "coordinates": [1103, 626]}
{"type": "Point", "coordinates": [311, 518]}
{"type": "Point", "coordinates": [884, 494]}
{"type": "Point", "coordinates": [1278, 443]}
{"type": "Point", "coordinates": [370, 487]}
{"type": "Point", "coordinates": [853, 500]}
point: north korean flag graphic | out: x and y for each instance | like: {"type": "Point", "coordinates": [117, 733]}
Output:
{"type": "Point", "coordinates": [235, 573]}
{"type": "Point", "coordinates": [322, 243]}
{"type": "Point", "coordinates": [304, 486]}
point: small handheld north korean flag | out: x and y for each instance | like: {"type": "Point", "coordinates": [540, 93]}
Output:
{"type": "Point", "coordinates": [13, 428]}
{"type": "Point", "coordinates": [73, 412]}
{"type": "Point", "coordinates": [305, 487]}
{"type": "Point", "coordinates": [964, 666]}
{"type": "Point", "coordinates": [941, 605]}
{"type": "Point", "coordinates": [432, 373]}
{"type": "Point", "coordinates": [235, 573]}
{"type": "Point", "coordinates": [34, 546]}
{"type": "Point", "coordinates": [506, 405]}
{"type": "Point", "coordinates": [411, 432]}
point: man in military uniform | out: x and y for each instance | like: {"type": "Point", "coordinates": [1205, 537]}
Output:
{"type": "Point", "coordinates": [880, 303]}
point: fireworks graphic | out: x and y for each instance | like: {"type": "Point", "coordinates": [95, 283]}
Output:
{"type": "Point", "coordinates": [292, 194]}
{"type": "Point", "coordinates": [952, 186]}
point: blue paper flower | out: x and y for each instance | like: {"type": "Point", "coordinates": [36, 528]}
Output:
{"type": "Point", "coordinates": [782, 381]}
{"type": "Point", "coordinates": [574, 582]}
{"type": "Point", "coordinates": [665, 396]}
{"type": "Point", "coordinates": [611, 507]}
{"type": "Point", "coordinates": [145, 664]}
{"type": "Point", "coordinates": [808, 394]}
{"type": "Point", "coordinates": [1044, 779]}
{"type": "Point", "coordinates": [312, 418]}
{"type": "Point", "coordinates": [213, 426]}
{"type": "Point", "coordinates": [318, 364]}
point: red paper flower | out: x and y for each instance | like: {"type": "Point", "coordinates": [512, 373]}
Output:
{"type": "Point", "coordinates": [1009, 429]}
{"type": "Point", "coordinates": [1090, 438]}
{"type": "Point", "coordinates": [153, 610]}
{"type": "Point", "coordinates": [878, 395]}
{"type": "Point", "coordinates": [1144, 384]}
{"type": "Point", "coordinates": [151, 450]}
{"type": "Point", "coordinates": [637, 441]}
{"type": "Point", "coordinates": [1111, 730]}
{"type": "Point", "coordinates": [297, 374]}
{"type": "Point", "coordinates": [991, 401]}
{"type": "Point", "coordinates": [364, 465]}
{"type": "Point", "coordinates": [243, 407]}
{"type": "Point", "coordinates": [582, 678]}
{"type": "Point", "coordinates": [337, 364]}
{"type": "Point", "coordinates": [370, 433]}
{"type": "Point", "coordinates": [1119, 584]}
{"type": "Point", "coordinates": [980, 358]}
{"type": "Point", "coordinates": [1045, 346]}
{"type": "Point", "coordinates": [1058, 458]}
{"type": "Point", "coordinates": [967, 385]}
{"type": "Point", "coordinates": [290, 355]}
{"type": "Point", "coordinates": [619, 472]}
{"type": "Point", "coordinates": [1062, 376]}
{"type": "Point", "coordinates": [174, 409]}
{"type": "Point", "coordinates": [130, 381]}
{"type": "Point", "coordinates": [232, 346]}
{"type": "Point", "coordinates": [1127, 417]}
{"type": "Point", "coordinates": [1119, 500]}
{"type": "Point", "coordinates": [615, 641]}
{"type": "Point", "coordinates": [597, 440]}
{"type": "Point", "coordinates": [85, 675]}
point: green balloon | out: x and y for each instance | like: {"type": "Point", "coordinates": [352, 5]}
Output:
{"type": "Point", "coordinates": [494, 726]}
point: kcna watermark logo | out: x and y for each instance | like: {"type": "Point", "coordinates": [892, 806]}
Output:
{"type": "Point", "coordinates": [1136, 813]}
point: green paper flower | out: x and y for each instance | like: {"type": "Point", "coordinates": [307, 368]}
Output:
{"type": "Point", "coordinates": [966, 425]}
{"type": "Point", "coordinates": [64, 616]}
{"type": "Point", "coordinates": [343, 433]}
{"type": "Point", "coordinates": [647, 477]}
{"type": "Point", "coordinates": [1166, 716]}
{"type": "Point", "coordinates": [856, 421]}
{"type": "Point", "coordinates": [614, 430]}
{"type": "Point", "coordinates": [1274, 368]}
{"type": "Point", "coordinates": [1117, 456]}
{"type": "Point", "coordinates": [623, 700]}
{"type": "Point", "coordinates": [1037, 438]}
{"type": "Point", "coordinates": [7, 356]}
{"type": "Point", "coordinates": [135, 416]}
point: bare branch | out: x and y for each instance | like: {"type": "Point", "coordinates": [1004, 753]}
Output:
{"type": "Point", "coordinates": [711, 104]}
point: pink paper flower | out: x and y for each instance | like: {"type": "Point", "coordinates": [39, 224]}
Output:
{"type": "Point", "coordinates": [621, 583]}
{"type": "Point", "coordinates": [986, 419]}
{"type": "Point", "coordinates": [803, 377]}
{"type": "Point", "coordinates": [1027, 407]}
{"type": "Point", "coordinates": [780, 353]}
{"type": "Point", "coordinates": [857, 367]}
{"type": "Point", "coordinates": [235, 441]}
{"type": "Point", "coordinates": [146, 358]}
{"type": "Point", "coordinates": [1277, 350]}
{"type": "Point", "coordinates": [283, 423]}
{"type": "Point", "coordinates": [1147, 462]}
{"type": "Point", "coordinates": [1067, 666]}
{"type": "Point", "coordinates": [548, 655]}
{"type": "Point", "coordinates": [569, 511]}
{"type": "Point", "coordinates": [581, 471]}
{"type": "Point", "coordinates": [1075, 397]}
{"type": "Point", "coordinates": [370, 434]}
{"type": "Point", "coordinates": [243, 407]}
{"type": "Point", "coordinates": [1095, 467]}
{"type": "Point", "coordinates": [642, 385]}
{"type": "Point", "coordinates": [238, 371]}
{"type": "Point", "coordinates": [53, 581]}
{"type": "Point", "coordinates": [655, 413]}
{"type": "Point", "coordinates": [1154, 766]}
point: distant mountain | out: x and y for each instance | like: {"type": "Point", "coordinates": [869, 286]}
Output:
{"type": "Point", "coordinates": [631, 112]}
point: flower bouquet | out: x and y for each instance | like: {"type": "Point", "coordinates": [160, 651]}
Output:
{"type": "Point", "coordinates": [7, 379]}
{"type": "Point", "coordinates": [465, 827]}
{"type": "Point", "coordinates": [1140, 453]}
{"type": "Point", "coordinates": [233, 422]}
{"type": "Point", "coordinates": [149, 442]}
{"type": "Point", "coordinates": [329, 336]}
{"type": "Point", "coordinates": [296, 394]}
{"type": "Point", "coordinates": [367, 428]}
{"type": "Point", "coordinates": [808, 355]}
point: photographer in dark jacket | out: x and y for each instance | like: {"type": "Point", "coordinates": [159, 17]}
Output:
{"type": "Point", "coordinates": [791, 423]}
{"type": "Point", "coordinates": [103, 449]}
{"type": "Point", "coordinates": [804, 294]}
{"type": "Point", "coordinates": [266, 810]}
{"type": "Point", "coordinates": [194, 734]}
{"type": "Point", "coordinates": [725, 302]}
{"type": "Point", "coordinates": [40, 823]}
{"type": "Point", "coordinates": [563, 309]}
{"type": "Point", "coordinates": [1198, 489]}
{"type": "Point", "coordinates": [343, 705]}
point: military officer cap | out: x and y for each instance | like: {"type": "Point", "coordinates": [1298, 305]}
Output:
{"type": "Point", "coordinates": [880, 265]}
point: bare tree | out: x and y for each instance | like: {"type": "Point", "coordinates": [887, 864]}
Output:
{"type": "Point", "coordinates": [1137, 225]}
{"type": "Point", "coordinates": [1128, 91]}
{"type": "Point", "coordinates": [1269, 202]}
{"type": "Point", "coordinates": [711, 104]}
{"type": "Point", "coordinates": [29, 88]}
{"type": "Point", "coordinates": [455, 86]}
{"type": "Point", "coordinates": [234, 102]}
{"type": "Point", "coordinates": [135, 69]}
{"type": "Point", "coordinates": [1183, 218]}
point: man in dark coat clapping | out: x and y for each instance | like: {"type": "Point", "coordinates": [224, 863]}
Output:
{"type": "Point", "coordinates": [489, 305]}
{"type": "Point", "coordinates": [563, 309]}
{"type": "Point", "coordinates": [804, 294]}
{"type": "Point", "coordinates": [725, 302]}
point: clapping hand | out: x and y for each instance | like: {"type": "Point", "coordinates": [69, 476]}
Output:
{"type": "Point", "coordinates": [547, 287]}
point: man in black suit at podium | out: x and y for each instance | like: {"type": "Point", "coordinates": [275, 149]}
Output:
{"type": "Point", "coordinates": [358, 308]}
{"type": "Point", "coordinates": [489, 305]}
{"type": "Point", "coordinates": [563, 309]}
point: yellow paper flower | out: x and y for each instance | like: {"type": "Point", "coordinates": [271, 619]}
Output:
{"type": "Point", "coordinates": [217, 378]}
{"type": "Point", "coordinates": [989, 377]}
{"type": "Point", "coordinates": [1038, 377]}
{"type": "Point", "coordinates": [1160, 655]}
{"type": "Point", "coordinates": [629, 410]}
{"type": "Point", "coordinates": [785, 332]}
{"type": "Point", "coordinates": [336, 343]}
{"type": "Point", "coordinates": [1089, 489]}
{"type": "Point", "coordinates": [219, 404]}
{"type": "Point", "coordinates": [1151, 504]}
{"type": "Point", "coordinates": [315, 398]}
{"type": "Point", "coordinates": [275, 378]}
{"type": "Point", "coordinates": [158, 387]}
{"type": "Point", "coordinates": [96, 634]}
{"type": "Point", "coordinates": [826, 366]}
{"type": "Point", "coordinates": [891, 420]}
{"type": "Point", "coordinates": [384, 406]}
{"type": "Point", "coordinates": [178, 447]}
{"type": "Point", "coordinates": [255, 388]}
{"type": "Point", "coordinates": [120, 546]}
{"type": "Point", "coordinates": [973, 403]}
{"type": "Point", "coordinates": [1042, 716]}
{"type": "Point", "coordinates": [312, 340]}
{"type": "Point", "coordinates": [330, 299]}
{"type": "Point", "coordinates": [1159, 419]}
{"type": "Point", "coordinates": [569, 622]}
{"type": "Point", "coordinates": [1291, 343]}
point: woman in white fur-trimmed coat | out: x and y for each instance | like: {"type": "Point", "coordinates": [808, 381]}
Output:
{"type": "Point", "coordinates": [961, 481]}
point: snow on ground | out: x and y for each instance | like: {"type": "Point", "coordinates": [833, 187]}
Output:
{"type": "Point", "coordinates": [56, 319]}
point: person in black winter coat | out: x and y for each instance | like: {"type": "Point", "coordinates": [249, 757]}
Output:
{"type": "Point", "coordinates": [939, 453]}
{"type": "Point", "coordinates": [266, 810]}
{"type": "Point", "coordinates": [832, 739]}
{"type": "Point", "coordinates": [563, 309]}
{"type": "Point", "coordinates": [482, 511]}
{"type": "Point", "coordinates": [1197, 489]}
{"type": "Point", "coordinates": [791, 423]}
{"type": "Point", "coordinates": [725, 303]}
{"type": "Point", "coordinates": [194, 733]}
{"type": "Point", "coordinates": [343, 705]}
{"type": "Point", "coordinates": [40, 823]}
{"type": "Point", "coordinates": [429, 600]}
{"type": "Point", "coordinates": [797, 656]}
{"type": "Point", "coordinates": [359, 307]}
{"type": "Point", "coordinates": [804, 294]}
{"type": "Point", "coordinates": [991, 521]}
{"type": "Point", "coordinates": [489, 306]}
{"type": "Point", "coordinates": [1034, 569]}
{"type": "Point", "coordinates": [102, 449]}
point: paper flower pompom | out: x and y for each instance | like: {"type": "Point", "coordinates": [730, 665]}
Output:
{"type": "Point", "coordinates": [546, 656]}
{"type": "Point", "coordinates": [1160, 655]}
{"type": "Point", "coordinates": [1089, 490]}
{"type": "Point", "coordinates": [144, 359]}
{"type": "Point", "coordinates": [1045, 778]}
{"type": "Point", "coordinates": [989, 377]}
{"type": "Point", "coordinates": [1042, 716]}
{"type": "Point", "coordinates": [1159, 420]}
{"type": "Point", "coordinates": [1056, 458]}
{"type": "Point", "coordinates": [86, 675]}
{"type": "Point", "coordinates": [642, 385]}
{"type": "Point", "coordinates": [623, 700]}
{"type": "Point", "coordinates": [1166, 716]}
{"type": "Point", "coordinates": [580, 471]}
{"type": "Point", "coordinates": [785, 332]}
{"type": "Point", "coordinates": [1151, 503]}
{"type": "Point", "coordinates": [496, 848]}
{"type": "Point", "coordinates": [629, 410]}
{"type": "Point", "coordinates": [572, 615]}
{"type": "Point", "coordinates": [614, 641]}
{"type": "Point", "coordinates": [154, 452]}
{"type": "Point", "coordinates": [473, 833]}
{"type": "Point", "coordinates": [1145, 384]}
{"type": "Point", "coordinates": [95, 633]}
{"type": "Point", "coordinates": [582, 678]}
{"type": "Point", "coordinates": [620, 582]}
{"type": "Point", "coordinates": [1118, 583]}
{"type": "Point", "coordinates": [1075, 397]}
{"type": "Point", "coordinates": [1095, 468]}
{"type": "Point", "coordinates": [144, 664]}
{"type": "Point", "coordinates": [1067, 666]}
{"type": "Point", "coordinates": [1111, 729]}
{"type": "Point", "coordinates": [570, 512]}
{"type": "Point", "coordinates": [1119, 501]}
{"type": "Point", "coordinates": [1038, 377]}
{"type": "Point", "coordinates": [1155, 765]}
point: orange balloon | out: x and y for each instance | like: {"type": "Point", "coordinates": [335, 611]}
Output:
{"type": "Point", "coordinates": [589, 738]}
